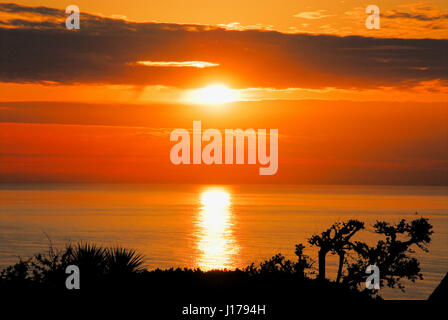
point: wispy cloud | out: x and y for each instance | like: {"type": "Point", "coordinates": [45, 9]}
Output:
{"type": "Point", "coordinates": [178, 64]}
{"type": "Point", "coordinates": [393, 14]}
{"type": "Point", "coordinates": [312, 15]}
{"type": "Point", "coordinates": [238, 26]}
{"type": "Point", "coordinates": [413, 20]}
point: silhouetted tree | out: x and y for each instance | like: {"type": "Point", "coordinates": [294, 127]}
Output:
{"type": "Point", "coordinates": [336, 240]}
{"type": "Point", "coordinates": [392, 254]}
{"type": "Point", "coordinates": [304, 261]}
{"type": "Point", "coordinates": [341, 241]}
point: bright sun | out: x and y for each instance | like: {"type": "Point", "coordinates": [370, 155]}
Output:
{"type": "Point", "coordinates": [213, 94]}
{"type": "Point", "coordinates": [215, 198]}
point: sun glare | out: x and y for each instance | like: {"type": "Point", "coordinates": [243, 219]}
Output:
{"type": "Point", "coordinates": [215, 198]}
{"type": "Point", "coordinates": [215, 237]}
{"type": "Point", "coordinates": [213, 94]}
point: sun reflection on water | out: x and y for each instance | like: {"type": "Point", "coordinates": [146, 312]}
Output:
{"type": "Point", "coordinates": [216, 241]}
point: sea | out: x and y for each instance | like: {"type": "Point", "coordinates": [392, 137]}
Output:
{"type": "Point", "coordinates": [215, 226]}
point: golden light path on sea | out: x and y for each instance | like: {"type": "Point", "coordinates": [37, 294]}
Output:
{"type": "Point", "coordinates": [215, 240]}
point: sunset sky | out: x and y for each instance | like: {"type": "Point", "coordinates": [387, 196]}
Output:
{"type": "Point", "coordinates": [352, 105]}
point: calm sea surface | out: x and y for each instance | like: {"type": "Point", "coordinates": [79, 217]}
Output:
{"type": "Point", "coordinates": [213, 226]}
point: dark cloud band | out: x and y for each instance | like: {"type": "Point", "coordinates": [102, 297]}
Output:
{"type": "Point", "coordinates": [106, 50]}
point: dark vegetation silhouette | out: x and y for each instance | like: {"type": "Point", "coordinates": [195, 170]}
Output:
{"type": "Point", "coordinates": [336, 240]}
{"type": "Point", "coordinates": [278, 282]}
{"type": "Point", "coordinates": [392, 255]}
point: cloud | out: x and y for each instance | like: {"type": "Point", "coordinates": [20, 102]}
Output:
{"type": "Point", "coordinates": [393, 14]}
{"type": "Point", "coordinates": [312, 15]}
{"type": "Point", "coordinates": [238, 26]}
{"type": "Point", "coordinates": [178, 64]}
{"type": "Point", "coordinates": [45, 11]}
{"type": "Point", "coordinates": [106, 51]}
{"type": "Point", "coordinates": [410, 21]}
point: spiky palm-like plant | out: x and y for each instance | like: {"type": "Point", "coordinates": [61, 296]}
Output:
{"type": "Point", "coordinates": [91, 259]}
{"type": "Point", "coordinates": [124, 261]}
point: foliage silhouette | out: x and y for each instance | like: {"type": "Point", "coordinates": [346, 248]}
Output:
{"type": "Point", "coordinates": [391, 255]}
{"type": "Point", "coordinates": [278, 279]}
{"type": "Point", "coordinates": [121, 260]}
{"type": "Point", "coordinates": [336, 240]}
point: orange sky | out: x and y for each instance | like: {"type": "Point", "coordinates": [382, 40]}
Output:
{"type": "Point", "coordinates": [98, 104]}
{"type": "Point", "coordinates": [343, 17]}
{"type": "Point", "coordinates": [320, 142]}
